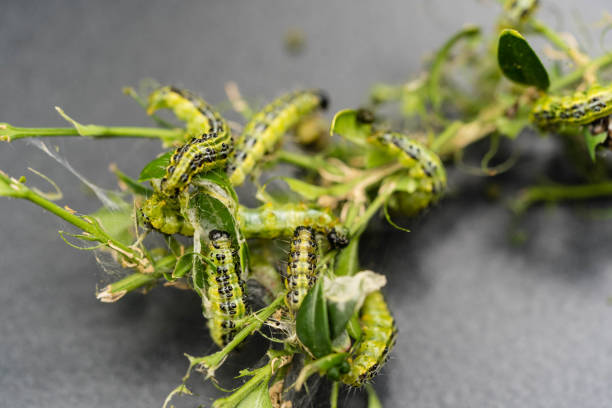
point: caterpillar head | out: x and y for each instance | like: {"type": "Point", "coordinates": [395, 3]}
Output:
{"type": "Point", "coordinates": [324, 103]}
{"type": "Point", "coordinates": [338, 237]}
{"type": "Point", "coordinates": [216, 235]}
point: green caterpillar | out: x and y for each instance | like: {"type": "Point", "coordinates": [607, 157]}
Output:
{"type": "Point", "coordinates": [201, 154]}
{"type": "Point", "coordinates": [301, 267]}
{"type": "Point", "coordinates": [580, 108]}
{"type": "Point", "coordinates": [163, 214]}
{"type": "Point", "coordinates": [198, 115]}
{"type": "Point", "coordinates": [210, 146]}
{"type": "Point", "coordinates": [424, 166]}
{"type": "Point", "coordinates": [273, 221]}
{"type": "Point", "coordinates": [378, 338]}
{"type": "Point", "coordinates": [267, 127]}
{"type": "Point", "coordinates": [226, 290]}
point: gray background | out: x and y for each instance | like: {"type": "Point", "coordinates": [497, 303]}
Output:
{"type": "Point", "coordinates": [482, 322]}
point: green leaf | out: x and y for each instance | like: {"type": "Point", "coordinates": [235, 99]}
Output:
{"type": "Point", "coordinates": [198, 277]}
{"type": "Point", "coordinates": [156, 168]}
{"type": "Point", "coordinates": [308, 191]}
{"type": "Point", "coordinates": [83, 130]}
{"type": "Point", "coordinates": [373, 401]}
{"type": "Point", "coordinates": [259, 397]}
{"type": "Point", "coordinates": [183, 265]}
{"type": "Point", "coordinates": [592, 141]}
{"type": "Point", "coordinates": [518, 62]}
{"type": "Point", "coordinates": [220, 179]}
{"type": "Point", "coordinates": [353, 328]}
{"type": "Point", "coordinates": [117, 224]}
{"type": "Point", "coordinates": [345, 296]}
{"type": "Point", "coordinates": [312, 323]}
{"type": "Point", "coordinates": [212, 213]}
{"type": "Point", "coordinates": [321, 365]}
{"type": "Point", "coordinates": [131, 184]}
{"type": "Point", "coordinates": [347, 124]}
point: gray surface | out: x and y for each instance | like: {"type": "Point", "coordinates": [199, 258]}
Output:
{"type": "Point", "coordinates": [482, 323]}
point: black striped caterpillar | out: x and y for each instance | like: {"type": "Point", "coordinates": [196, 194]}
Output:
{"type": "Point", "coordinates": [226, 289]}
{"type": "Point", "coordinates": [301, 267]}
{"type": "Point", "coordinates": [266, 128]}
{"type": "Point", "coordinates": [378, 338]}
{"type": "Point", "coordinates": [210, 145]}
{"type": "Point", "coordinates": [199, 116]}
{"type": "Point", "coordinates": [581, 108]}
{"type": "Point", "coordinates": [163, 214]}
{"type": "Point", "coordinates": [273, 221]}
{"type": "Point", "coordinates": [201, 154]}
{"type": "Point", "coordinates": [424, 166]}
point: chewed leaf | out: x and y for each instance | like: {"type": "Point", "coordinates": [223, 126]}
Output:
{"type": "Point", "coordinates": [156, 168]}
{"type": "Point", "coordinates": [518, 62]}
{"type": "Point", "coordinates": [312, 323]}
{"type": "Point", "coordinates": [83, 130]}
{"type": "Point", "coordinates": [345, 295]}
{"type": "Point", "coordinates": [592, 141]}
{"type": "Point", "coordinates": [353, 125]}
{"type": "Point", "coordinates": [211, 213]}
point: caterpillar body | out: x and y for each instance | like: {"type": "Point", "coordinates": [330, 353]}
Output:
{"type": "Point", "coordinates": [273, 221]}
{"type": "Point", "coordinates": [581, 108]}
{"type": "Point", "coordinates": [266, 128]}
{"type": "Point", "coordinates": [201, 154]}
{"type": "Point", "coordinates": [198, 115]}
{"type": "Point", "coordinates": [378, 338]}
{"type": "Point", "coordinates": [301, 267]}
{"type": "Point", "coordinates": [423, 165]}
{"type": "Point", "coordinates": [226, 290]}
{"type": "Point", "coordinates": [163, 214]}
{"type": "Point", "coordinates": [210, 144]}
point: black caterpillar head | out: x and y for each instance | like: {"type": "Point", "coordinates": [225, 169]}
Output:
{"type": "Point", "coordinates": [324, 103]}
{"type": "Point", "coordinates": [338, 238]}
{"type": "Point", "coordinates": [365, 116]}
{"type": "Point", "coordinates": [215, 235]}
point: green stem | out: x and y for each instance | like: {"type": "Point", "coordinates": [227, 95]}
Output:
{"type": "Point", "coordinates": [116, 290]}
{"type": "Point", "coordinates": [357, 228]}
{"type": "Point", "coordinates": [263, 375]}
{"type": "Point", "coordinates": [333, 398]}
{"type": "Point", "coordinates": [314, 163]}
{"type": "Point", "coordinates": [373, 401]}
{"type": "Point", "coordinates": [17, 189]}
{"type": "Point", "coordinates": [576, 75]}
{"type": "Point", "coordinates": [212, 362]}
{"type": "Point", "coordinates": [536, 194]}
{"type": "Point", "coordinates": [446, 135]}
{"type": "Point", "coordinates": [9, 133]}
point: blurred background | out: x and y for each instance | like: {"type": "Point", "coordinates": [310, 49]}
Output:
{"type": "Point", "coordinates": [482, 322]}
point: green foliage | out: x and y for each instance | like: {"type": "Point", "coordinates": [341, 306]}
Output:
{"type": "Point", "coordinates": [350, 125]}
{"type": "Point", "coordinates": [312, 322]}
{"type": "Point", "coordinates": [518, 62]}
{"type": "Point", "coordinates": [381, 162]}
{"type": "Point", "coordinates": [156, 168]}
